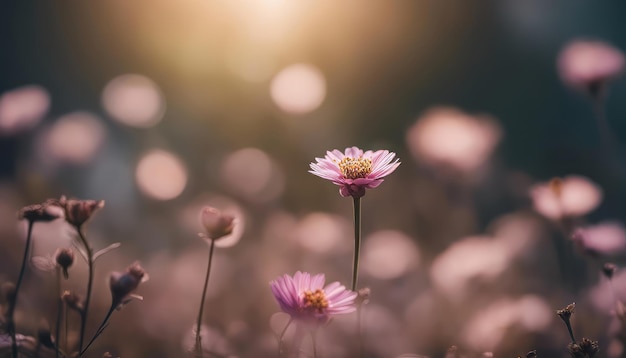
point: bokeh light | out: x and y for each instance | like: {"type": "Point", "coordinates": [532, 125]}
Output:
{"type": "Point", "coordinates": [252, 174]}
{"type": "Point", "coordinates": [389, 254]}
{"type": "Point", "coordinates": [22, 108]}
{"type": "Point", "coordinates": [161, 175]}
{"type": "Point", "coordinates": [134, 100]}
{"type": "Point", "coordinates": [321, 232]}
{"type": "Point", "coordinates": [74, 138]}
{"type": "Point", "coordinates": [298, 89]}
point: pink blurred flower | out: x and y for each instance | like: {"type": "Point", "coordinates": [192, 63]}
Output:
{"type": "Point", "coordinates": [588, 65]}
{"type": "Point", "coordinates": [605, 239]}
{"type": "Point", "coordinates": [355, 170]}
{"type": "Point", "coordinates": [568, 197]}
{"type": "Point", "coordinates": [446, 138]}
{"type": "Point", "coordinates": [306, 299]}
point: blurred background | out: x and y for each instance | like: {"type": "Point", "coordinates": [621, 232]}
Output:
{"type": "Point", "coordinates": [160, 108]}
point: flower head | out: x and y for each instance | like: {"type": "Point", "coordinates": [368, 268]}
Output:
{"type": "Point", "coordinates": [215, 223]}
{"type": "Point", "coordinates": [122, 284]}
{"type": "Point", "coordinates": [306, 299]}
{"type": "Point", "coordinates": [43, 212]}
{"type": "Point", "coordinates": [589, 65]}
{"type": "Point", "coordinates": [355, 170]}
{"type": "Point", "coordinates": [572, 196]}
{"type": "Point", "coordinates": [77, 212]}
{"type": "Point", "coordinates": [64, 258]}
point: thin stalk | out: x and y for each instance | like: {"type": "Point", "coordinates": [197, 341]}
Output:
{"type": "Point", "coordinates": [100, 329]}
{"type": "Point", "coordinates": [571, 332]}
{"type": "Point", "coordinates": [11, 311]}
{"type": "Point", "coordinates": [59, 314]}
{"type": "Point", "coordinates": [282, 335]}
{"type": "Point", "coordinates": [206, 284]}
{"type": "Point", "coordinates": [359, 332]}
{"type": "Point", "coordinates": [66, 326]}
{"type": "Point", "coordinates": [83, 316]}
{"type": "Point", "coordinates": [357, 242]}
{"type": "Point", "coordinates": [314, 341]}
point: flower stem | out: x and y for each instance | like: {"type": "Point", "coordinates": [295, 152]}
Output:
{"type": "Point", "coordinates": [206, 284]}
{"type": "Point", "coordinates": [357, 241]}
{"type": "Point", "coordinates": [282, 335]}
{"type": "Point", "coordinates": [13, 303]}
{"type": "Point", "coordinates": [83, 316]}
{"type": "Point", "coordinates": [100, 329]}
{"type": "Point", "coordinates": [314, 342]}
{"type": "Point", "coordinates": [57, 328]}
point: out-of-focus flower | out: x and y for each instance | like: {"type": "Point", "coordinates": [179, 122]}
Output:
{"type": "Point", "coordinates": [64, 258]}
{"type": "Point", "coordinates": [22, 108]}
{"type": "Point", "coordinates": [77, 212]}
{"type": "Point", "coordinates": [74, 138]}
{"type": "Point", "coordinates": [571, 196]}
{"type": "Point", "coordinates": [447, 138]}
{"type": "Point", "coordinates": [306, 299]}
{"type": "Point", "coordinates": [584, 349]}
{"type": "Point", "coordinates": [216, 224]}
{"type": "Point", "coordinates": [73, 301]}
{"type": "Point", "coordinates": [122, 284]}
{"type": "Point", "coordinates": [605, 239]}
{"type": "Point", "coordinates": [134, 100]}
{"type": "Point", "coordinates": [43, 212]}
{"type": "Point", "coordinates": [589, 65]}
{"type": "Point", "coordinates": [355, 170]}
{"type": "Point", "coordinates": [490, 327]}
{"type": "Point", "coordinates": [609, 270]}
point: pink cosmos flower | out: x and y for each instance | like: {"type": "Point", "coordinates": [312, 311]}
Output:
{"type": "Point", "coordinates": [355, 170]}
{"type": "Point", "coordinates": [588, 65]}
{"type": "Point", "coordinates": [306, 299]}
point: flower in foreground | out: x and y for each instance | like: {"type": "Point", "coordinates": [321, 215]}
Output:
{"type": "Point", "coordinates": [305, 298]}
{"type": "Point", "coordinates": [77, 212]}
{"type": "Point", "coordinates": [355, 170]}
{"type": "Point", "coordinates": [122, 284]}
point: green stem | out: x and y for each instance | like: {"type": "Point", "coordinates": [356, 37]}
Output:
{"type": "Point", "coordinates": [11, 311]}
{"type": "Point", "coordinates": [206, 284]}
{"type": "Point", "coordinates": [84, 313]}
{"type": "Point", "coordinates": [357, 241]}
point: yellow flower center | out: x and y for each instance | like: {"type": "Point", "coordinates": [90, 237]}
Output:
{"type": "Point", "coordinates": [315, 299]}
{"type": "Point", "coordinates": [354, 168]}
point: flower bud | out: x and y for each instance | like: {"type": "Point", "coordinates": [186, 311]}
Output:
{"type": "Point", "coordinates": [64, 258]}
{"type": "Point", "coordinates": [77, 212]}
{"type": "Point", "coordinates": [43, 212]}
{"type": "Point", "coordinates": [609, 270]}
{"type": "Point", "coordinates": [123, 284]}
{"type": "Point", "coordinates": [8, 292]}
{"type": "Point", "coordinates": [216, 224]}
{"type": "Point", "coordinates": [73, 301]}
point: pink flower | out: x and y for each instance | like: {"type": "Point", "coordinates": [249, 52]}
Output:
{"type": "Point", "coordinates": [588, 65]}
{"type": "Point", "coordinates": [355, 170]}
{"type": "Point", "coordinates": [572, 196]}
{"type": "Point", "coordinates": [215, 223]}
{"type": "Point", "coordinates": [306, 299]}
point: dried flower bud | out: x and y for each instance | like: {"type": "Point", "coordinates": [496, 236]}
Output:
{"type": "Point", "coordinates": [8, 292]}
{"type": "Point", "coordinates": [43, 212]}
{"type": "Point", "coordinates": [363, 296]}
{"type": "Point", "coordinates": [216, 224]}
{"type": "Point", "coordinates": [77, 212]}
{"type": "Point", "coordinates": [609, 270]}
{"type": "Point", "coordinates": [73, 301]}
{"type": "Point", "coordinates": [64, 258]}
{"type": "Point", "coordinates": [584, 349]}
{"type": "Point", "coordinates": [44, 336]}
{"type": "Point", "coordinates": [566, 312]}
{"type": "Point", "coordinates": [124, 283]}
